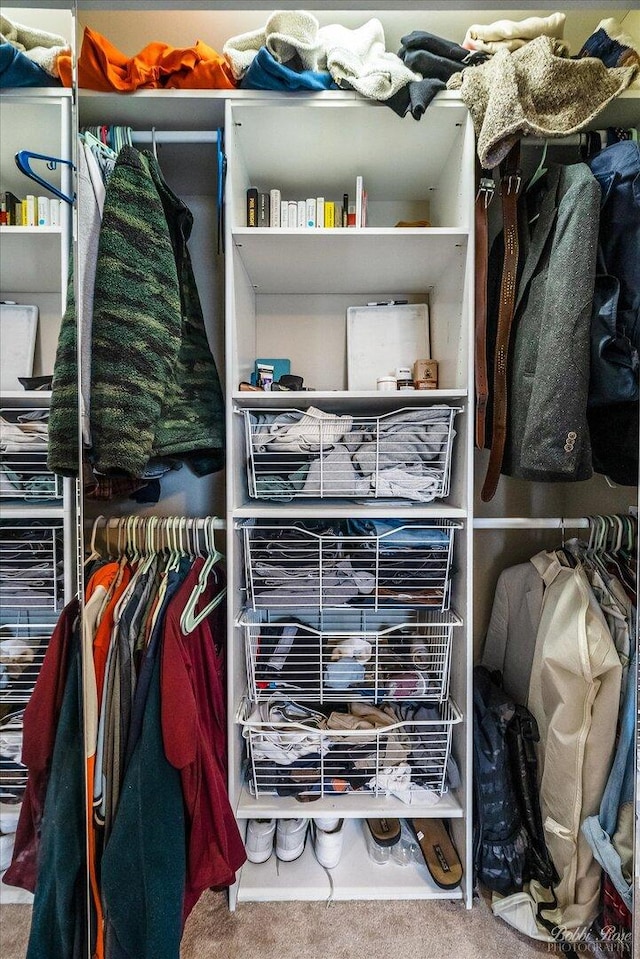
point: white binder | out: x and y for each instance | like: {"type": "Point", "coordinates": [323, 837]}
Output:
{"type": "Point", "coordinates": [18, 328]}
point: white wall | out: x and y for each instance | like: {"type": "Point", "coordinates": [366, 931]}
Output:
{"type": "Point", "coordinates": [130, 30]}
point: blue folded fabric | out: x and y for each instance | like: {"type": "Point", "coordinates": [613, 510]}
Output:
{"type": "Point", "coordinates": [17, 70]}
{"type": "Point", "coordinates": [396, 534]}
{"type": "Point", "coordinates": [265, 73]}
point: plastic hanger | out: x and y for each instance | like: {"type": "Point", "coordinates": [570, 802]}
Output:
{"type": "Point", "coordinates": [94, 554]}
{"type": "Point", "coordinates": [190, 619]}
{"type": "Point", "coordinates": [97, 145]}
{"type": "Point", "coordinates": [22, 162]}
{"type": "Point", "coordinates": [541, 168]}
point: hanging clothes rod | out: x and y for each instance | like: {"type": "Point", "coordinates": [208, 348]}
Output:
{"type": "Point", "coordinates": [194, 522]}
{"type": "Point", "coordinates": [543, 522]}
{"type": "Point", "coordinates": [573, 140]}
{"type": "Point", "coordinates": [174, 136]}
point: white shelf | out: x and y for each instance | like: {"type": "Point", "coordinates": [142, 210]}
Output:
{"type": "Point", "coordinates": [26, 397]}
{"type": "Point", "coordinates": [341, 509]}
{"type": "Point", "coordinates": [31, 259]}
{"type": "Point", "coordinates": [36, 94]}
{"type": "Point", "coordinates": [367, 261]}
{"type": "Point", "coordinates": [29, 230]}
{"type": "Point", "coordinates": [345, 398]}
{"type": "Point", "coordinates": [354, 805]}
{"type": "Point", "coordinates": [34, 511]}
{"type": "Point", "coordinates": [167, 109]}
{"type": "Point", "coordinates": [205, 108]}
{"type": "Point", "coordinates": [355, 877]}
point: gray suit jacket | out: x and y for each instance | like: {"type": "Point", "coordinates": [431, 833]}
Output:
{"type": "Point", "coordinates": [548, 437]}
{"type": "Point", "coordinates": [511, 637]}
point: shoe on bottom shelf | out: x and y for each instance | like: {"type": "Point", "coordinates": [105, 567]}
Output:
{"type": "Point", "coordinates": [440, 855]}
{"type": "Point", "coordinates": [328, 837]}
{"type": "Point", "coordinates": [259, 842]}
{"type": "Point", "coordinates": [291, 835]}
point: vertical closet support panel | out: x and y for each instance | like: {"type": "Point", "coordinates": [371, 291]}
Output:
{"type": "Point", "coordinates": [468, 199]}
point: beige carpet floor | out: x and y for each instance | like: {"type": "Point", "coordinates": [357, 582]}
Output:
{"type": "Point", "coordinates": [343, 930]}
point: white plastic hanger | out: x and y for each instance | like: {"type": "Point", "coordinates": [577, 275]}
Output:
{"type": "Point", "coordinates": [189, 619]}
{"type": "Point", "coordinates": [541, 168]}
{"type": "Point", "coordinates": [94, 554]}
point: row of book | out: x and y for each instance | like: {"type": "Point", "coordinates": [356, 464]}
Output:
{"type": "Point", "coordinates": [31, 211]}
{"type": "Point", "coordinates": [270, 210]}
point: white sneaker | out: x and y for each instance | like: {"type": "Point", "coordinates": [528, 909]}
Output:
{"type": "Point", "coordinates": [6, 850]}
{"type": "Point", "coordinates": [291, 836]}
{"type": "Point", "coordinates": [327, 841]}
{"type": "Point", "coordinates": [259, 841]}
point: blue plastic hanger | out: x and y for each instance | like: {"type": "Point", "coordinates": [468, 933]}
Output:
{"type": "Point", "coordinates": [22, 162]}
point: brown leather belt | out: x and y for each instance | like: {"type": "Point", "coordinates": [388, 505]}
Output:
{"type": "Point", "coordinates": [511, 181]}
{"type": "Point", "coordinates": [484, 197]}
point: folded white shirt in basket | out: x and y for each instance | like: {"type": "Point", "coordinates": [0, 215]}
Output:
{"type": "Point", "coordinates": [313, 431]}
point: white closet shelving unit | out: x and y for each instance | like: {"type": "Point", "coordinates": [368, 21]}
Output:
{"type": "Point", "coordinates": [287, 292]}
{"type": "Point", "coordinates": [33, 270]}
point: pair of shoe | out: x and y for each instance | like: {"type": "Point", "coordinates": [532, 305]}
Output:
{"type": "Point", "coordinates": [291, 836]}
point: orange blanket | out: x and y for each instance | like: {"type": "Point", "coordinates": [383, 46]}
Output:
{"type": "Point", "coordinates": [156, 67]}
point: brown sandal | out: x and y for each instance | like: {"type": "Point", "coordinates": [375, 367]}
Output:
{"type": "Point", "coordinates": [386, 832]}
{"type": "Point", "coordinates": [439, 852]}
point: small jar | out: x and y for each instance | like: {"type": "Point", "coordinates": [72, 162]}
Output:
{"type": "Point", "coordinates": [386, 383]}
{"type": "Point", "coordinates": [406, 386]}
{"type": "Point", "coordinates": [425, 372]}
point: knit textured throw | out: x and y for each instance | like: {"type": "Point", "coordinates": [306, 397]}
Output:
{"type": "Point", "coordinates": [534, 92]}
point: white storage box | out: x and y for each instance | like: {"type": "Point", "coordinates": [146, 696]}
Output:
{"type": "Point", "coordinates": [18, 328]}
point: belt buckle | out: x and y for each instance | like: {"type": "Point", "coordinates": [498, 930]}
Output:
{"type": "Point", "coordinates": [509, 180]}
{"type": "Point", "coordinates": [488, 188]}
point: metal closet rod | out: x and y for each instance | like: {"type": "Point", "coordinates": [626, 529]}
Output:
{"type": "Point", "coordinates": [194, 522]}
{"type": "Point", "coordinates": [174, 136]}
{"type": "Point", "coordinates": [522, 522]}
{"type": "Point", "coordinates": [574, 140]}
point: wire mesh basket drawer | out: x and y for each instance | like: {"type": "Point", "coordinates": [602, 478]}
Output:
{"type": "Point", "coordinates": [294, 454]}
{"type": "Point", "coordinates": [14, 771]}
{"type": "Point", "coordinates": [23, 643]}
{"type": "Point", "coordinates": [293, 750]}
{"type": "Point", "coordinates": [31, 564]}
{"type": "Point", "coordinates": [24, 474]}
{"type": "Point", "coordinates": [370, 564]}
{"type": "Point", "coordinates": [334, 657]}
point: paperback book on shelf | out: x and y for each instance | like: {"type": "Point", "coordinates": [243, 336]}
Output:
{"type": "Point", "coordinates": [361, 203]}
{"type": "Point", "coordinates": [263, 209]}
{"type": "Point", "coordinates": [252, 206]}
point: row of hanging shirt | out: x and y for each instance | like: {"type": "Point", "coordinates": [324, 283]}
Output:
{"type": "Point", "coordinates": [562, 634]}
{"type": "Point", "coordinates": [160, 826]}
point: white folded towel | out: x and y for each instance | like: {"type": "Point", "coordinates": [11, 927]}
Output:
{"type": "Point", "coordinates": [513, 34]}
